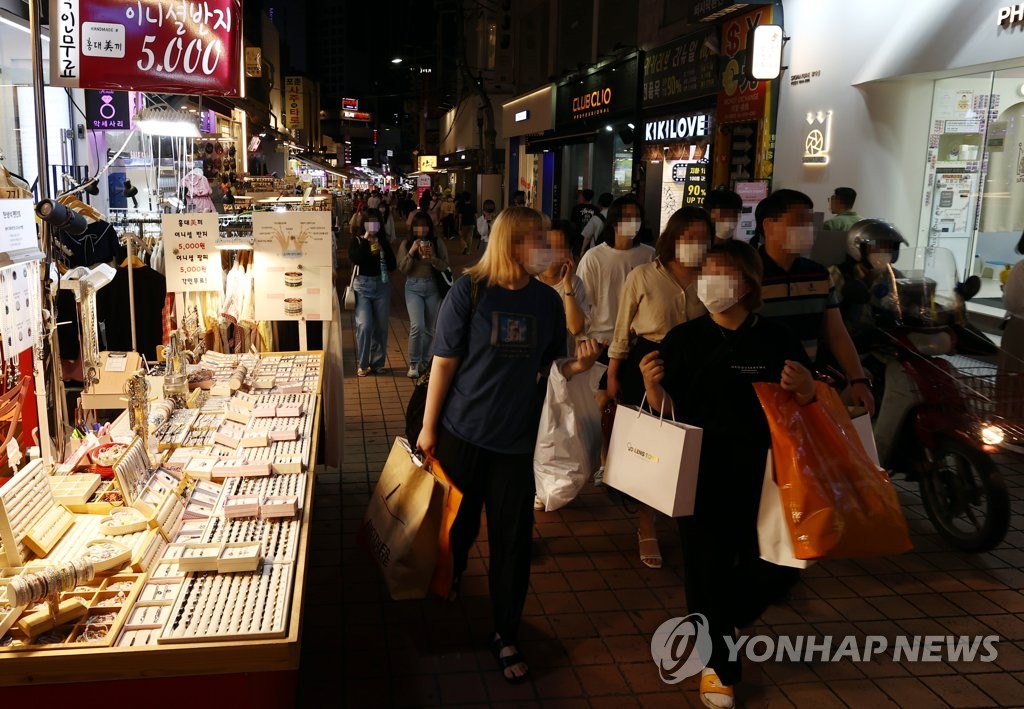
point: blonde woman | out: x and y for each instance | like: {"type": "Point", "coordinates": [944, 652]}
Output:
{"type": "Point", "coordinates": [497, 334]}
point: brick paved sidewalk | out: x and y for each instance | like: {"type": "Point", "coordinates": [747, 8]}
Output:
{"type": "Point", "coordinates": [593, 606]}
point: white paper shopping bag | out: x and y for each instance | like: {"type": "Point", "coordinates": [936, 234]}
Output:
{"type": "Point", "coordinates": [867, 436]}
{"type": "Point", "coordinates": [773, 539]}
{"type": "Point", "coordinates": [654, 460]}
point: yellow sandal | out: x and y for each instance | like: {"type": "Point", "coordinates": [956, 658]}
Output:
{"type": "Point", "coordinates": [710, 686]}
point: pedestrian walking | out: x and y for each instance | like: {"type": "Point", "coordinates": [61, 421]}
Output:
{"type": "Point", "coordinates": [498, 332]}
{"type": "Point", "coordinates": [702, 374]}
{"type": "Point", "coordinates": [420, 258]}
{"type": "Point", "coordinates": [372, 254]}
{"type": "Point", "coordinates": [656, 297]}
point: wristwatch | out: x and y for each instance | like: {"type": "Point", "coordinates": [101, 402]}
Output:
{"type": "Point", "coordinates": [861, 380]}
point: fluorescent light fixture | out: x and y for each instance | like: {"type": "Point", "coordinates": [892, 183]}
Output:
{"type": "Point", "coordinates": [766, 52]}
{"type": "Point", "coordinates": [23, 28]}
{"type": "Point", "coordinates": [631, 126]}
{"type": "Point", "coordinates": [522, 116]}
{"type": "Point", "coordinates": [166, 122]}
{"type": "Point", "coordinates": [396, 60]}
{"type": "Point", "coordinates": [609, 129]}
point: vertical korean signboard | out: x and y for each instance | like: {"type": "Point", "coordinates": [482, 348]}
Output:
{"type": "Point", "coordinates": [293, 102]}
{"type": "Point", "coordinates": [191, 255]}
{"type": "Point", "coordinates": [294, 265]}
{"type": "Point", "coordinates": [164, 46]}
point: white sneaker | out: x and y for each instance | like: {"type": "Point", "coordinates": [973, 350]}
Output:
{"type": "Point", "coordinates": [599, 476]}
{"type": "Point", "coordinates": [538, 504]}
{"type": "Point", "coordinates": [414, 372]}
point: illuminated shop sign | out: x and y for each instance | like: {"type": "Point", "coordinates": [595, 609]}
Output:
{"type": "Point", "coordinates": [818, 139]}
{"type": "Point", "coordinates": [1011, 14]}
{"type": "Point", "coordinates": [522, 116]}
{"type": "Point", "coordinates": [678, 128]}
{"type": "Point", "coordinates": [607, 92]}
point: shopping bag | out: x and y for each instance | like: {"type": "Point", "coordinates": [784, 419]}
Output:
{"type": "Point", "coordinates": [773, 538]}
{"type": "Point", "coordinates": [406, 521]}
{"type": "Point", "coordinates": [350, 291]}
{"type": "Point", "coordinates": [836, 501]}
{"type": "Point", "coordinates": [654, 460]}
{"type": "Point", "coordinates": [444, 568]}
{"type": "Point", "coordinates": [568, 448]}
{"type": "Point", "coordinates": [866, 435]}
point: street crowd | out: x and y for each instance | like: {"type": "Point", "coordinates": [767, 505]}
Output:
{"type": "Point", "coordinates": [684, 322]}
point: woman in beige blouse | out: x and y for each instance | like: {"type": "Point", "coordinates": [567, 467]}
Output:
{"type": "Point", "coordinates": [655, 298]}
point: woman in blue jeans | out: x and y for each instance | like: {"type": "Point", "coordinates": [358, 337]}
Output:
{"type": "Point", "coordinates": [373, 255]}
{"type": "Point", "coordinates": [420, 258]}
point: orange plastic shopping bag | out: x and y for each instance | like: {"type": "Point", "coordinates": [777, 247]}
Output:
{"type": "Point", "coordinates": [441, 583]}
{"type": "Point", "coordinates": [836, 501]}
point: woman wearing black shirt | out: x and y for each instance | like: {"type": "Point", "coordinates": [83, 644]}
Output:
{"type": "Point", "coordinates": [703, 373]}
{"type": "Point", "coordinates": [372, 253]}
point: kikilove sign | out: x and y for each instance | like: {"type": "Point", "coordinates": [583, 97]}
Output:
{"type": "Point", "coordinates": [183, 47]}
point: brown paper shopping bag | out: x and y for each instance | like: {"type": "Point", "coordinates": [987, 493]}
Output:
{"type": "Point", "coordinates": [407, 520]}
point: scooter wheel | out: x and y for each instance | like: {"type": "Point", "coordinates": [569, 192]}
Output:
{"type": "Point", "coordinates": [965, 497]}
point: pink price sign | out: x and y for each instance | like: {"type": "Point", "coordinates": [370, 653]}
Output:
{"type": "Point", "coordinates": [183, 47]}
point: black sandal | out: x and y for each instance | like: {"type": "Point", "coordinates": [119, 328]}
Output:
{"type": "Point", "coordinates": [453, 592]}
{"type": "Point", "coordinates": [509, 661]}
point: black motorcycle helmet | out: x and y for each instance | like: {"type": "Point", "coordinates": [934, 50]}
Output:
{"type": "Point", "coordinates": [875, 233]}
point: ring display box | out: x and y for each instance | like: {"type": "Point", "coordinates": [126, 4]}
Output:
{"type": "Point", "coordinates": [74, 489]}
{"type": "Point", "coordinates": [48, 530]}
{"type": "Point", "coordinates": [199, 557]}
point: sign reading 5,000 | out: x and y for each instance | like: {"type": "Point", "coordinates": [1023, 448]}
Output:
{"type": "Point", "coordinates": [170, 46]}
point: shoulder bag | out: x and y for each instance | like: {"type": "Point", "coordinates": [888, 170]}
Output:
{"type": "Point", "coordinates": [350, 291]}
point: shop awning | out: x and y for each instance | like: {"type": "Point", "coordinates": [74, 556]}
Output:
{"type": "Point", "coordinates": [316, 164]}
{"type": "Point", "coordinates": [559, 140]}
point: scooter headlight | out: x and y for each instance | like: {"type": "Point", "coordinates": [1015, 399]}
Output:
{"type": "Point", "coordinates": [992, 435]}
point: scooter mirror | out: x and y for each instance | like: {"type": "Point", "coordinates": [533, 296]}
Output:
{"type": "Point", "coordinates": [969, 288]}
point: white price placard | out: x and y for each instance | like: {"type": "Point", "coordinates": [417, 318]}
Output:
{"type": "Point", "coordinates": [191, 256]}
{"type": "Point", "coordinates": [294, 265]}
{"type": "Point", "coordinates": [17, 225]}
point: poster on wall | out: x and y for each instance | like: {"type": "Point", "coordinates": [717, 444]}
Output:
{"type": "Point", "coordinates": [17, 225]}
{"type": "Point", "coordinates": [682, 70]}
{"type": "Point", "coordinates": [751, 193]}
{"type": "Point", "coordinates": [19, 319]}
{"type": "Point", "coordinates": [294, 265]}
{"type": "Point", "coordinates": [191, 256]}
{"type": "Point", "coordinates": [165, 47]}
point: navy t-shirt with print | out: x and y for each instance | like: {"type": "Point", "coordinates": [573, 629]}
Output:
{"type": "Point", "coordinates": [514, 335]}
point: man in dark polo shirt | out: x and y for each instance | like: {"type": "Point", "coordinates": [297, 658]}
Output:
{"type": "Point", "coordinates": [799, 292]}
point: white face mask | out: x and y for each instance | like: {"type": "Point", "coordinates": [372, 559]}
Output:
{"type": "Point", "coordinates": [538, 260]}
{"type": "Point", "coordinates": [718, 293]}
{"type": "Point", "coordinates": [880, 260]}
{"type": "Point", "coordinates": [799, 240]}
{"type": "Point", "coordinates": [690, 254]}
{"type": "Point", "coordinates": [629, 227]}
{"type": "Point", "coordinates": [372, 227]}
{"type": "Point", "coordinates": [725, 229]}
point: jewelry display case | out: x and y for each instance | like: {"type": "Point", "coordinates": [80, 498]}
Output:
{"type": "Point", "coordinates": [200, 558]}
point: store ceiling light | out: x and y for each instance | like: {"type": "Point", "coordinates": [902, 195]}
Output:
{"type": "Point", "coordinates": [609, 129]}
{"type": "Point", "coordinates": [156, 120]}
{"type": "Point", "coordinates": [396, 60]}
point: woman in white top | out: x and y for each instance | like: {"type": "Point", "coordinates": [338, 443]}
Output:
{"type": "Point", "coordinates": [657, 296]}
{"type": "Point", "coordinates": [1010, 380]}
{"type": "Point", "coordinates": [573, 294]}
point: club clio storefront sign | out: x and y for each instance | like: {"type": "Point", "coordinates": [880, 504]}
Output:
{"type": "Point", "coordinates": [165, 47]}
{"type": "Point", "coordinates": [602, 94]}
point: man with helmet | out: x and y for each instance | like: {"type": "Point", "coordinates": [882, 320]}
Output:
{"type": "Point", "coordinates": [872, 245]}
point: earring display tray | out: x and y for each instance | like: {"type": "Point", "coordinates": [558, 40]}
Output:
{"type": "Point", "coordinates": [96, 611]}
{"type": "Point", "coordinates": [86, 528]}
{"type": "Point", "coordinates": [290, 371]}
{"type": "Point", "coordinates": [45, 533]}
{"type": "Point", "coordinates": [222, 607]}
{"type": "Point", "coordinates": [24, 500]}
{"type": "Point", "coordinates": [132, 469]}
{"type": "Point", "coordinates": [74, 489]}
{"type": "Point", "coordinates": [275, 486]}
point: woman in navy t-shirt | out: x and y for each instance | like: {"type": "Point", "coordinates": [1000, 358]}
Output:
{"type": "Point", "coordinates": [497, 334]}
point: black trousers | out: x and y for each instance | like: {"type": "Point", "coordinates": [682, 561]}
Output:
{"type": "Point", "coordinates": [725, 578]}
{"type": "Point", "coordinates": [503, 485]}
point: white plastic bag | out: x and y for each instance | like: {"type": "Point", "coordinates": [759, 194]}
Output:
{"type": "Point", "coordinates": [773, 538]}
{"type": "Point", "coordinates": [568, 447]}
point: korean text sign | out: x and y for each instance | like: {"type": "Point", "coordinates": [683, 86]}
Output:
{"type": "Point", "coordinates": [180, 47]}
{"type": "Point", "coordinates": [190, 252]}
{"type": "Point", "coordinates": [740, 98]}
